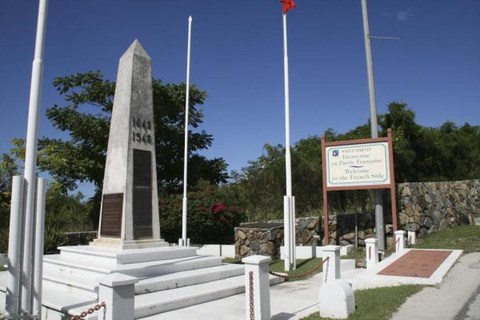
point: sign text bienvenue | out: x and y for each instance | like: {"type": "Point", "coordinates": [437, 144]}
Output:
{"type": "Point", "coordinates": [358, 165]}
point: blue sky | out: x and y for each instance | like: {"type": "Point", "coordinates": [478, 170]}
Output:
{"type": "Point", "coordinates": [237, 57]}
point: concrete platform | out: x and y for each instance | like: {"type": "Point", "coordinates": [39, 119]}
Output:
{"type": "Point", "coordinates": [370, 278]}
{"type": "Point", "coordinates": [294, 300]}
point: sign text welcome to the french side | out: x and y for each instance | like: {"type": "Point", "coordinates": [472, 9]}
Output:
{"type": "Point", "coordinates": [358, 165]}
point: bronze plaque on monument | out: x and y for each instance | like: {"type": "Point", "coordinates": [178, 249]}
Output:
{"type": "Point", "coordinates": [142, 194]}
{"type": "Point", "coordinates": [112, 215]}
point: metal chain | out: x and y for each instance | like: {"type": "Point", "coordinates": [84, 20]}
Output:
{"type": "Point", "coordinates": [298, 276]}
{"type": "Point", "coordinates": [250, 295]}
{"type": "Point", "coordinates": [397, 243]}
{"type": "Point", "coordinates": [326, 269]}
{"type": "Point", "coordinates": [90, 311]}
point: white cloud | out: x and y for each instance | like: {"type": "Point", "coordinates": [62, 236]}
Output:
{"type": "Point", "coordinates": [403, 15]}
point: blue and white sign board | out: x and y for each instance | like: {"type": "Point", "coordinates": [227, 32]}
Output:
{"type": "Point", "coordinates": [358, 165]}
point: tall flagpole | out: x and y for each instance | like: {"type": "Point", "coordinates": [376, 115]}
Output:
{"type": "Point", "coordinates": [30, 159]}
{"type": "Point", "coordinates": [379, 225]}
{"type": "Point", "coordinates": [184, 240]}
{"type": "Point", "coordinates": [288, 200]}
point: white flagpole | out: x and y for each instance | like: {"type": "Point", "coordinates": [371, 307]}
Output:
{"type": "Point", "coordinates": [288, 202]}
{"type": "Point", "coordinates": [184, 240]}
{"type": "Point", "coordinates": [30, 159]}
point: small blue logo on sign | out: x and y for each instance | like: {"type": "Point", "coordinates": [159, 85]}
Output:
{"type": "Point", "coordinates": [335, 153]}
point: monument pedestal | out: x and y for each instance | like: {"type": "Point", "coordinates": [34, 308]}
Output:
{"type": "Point", "coordinates": [113, 243]}
{"type": "Point", "coordinates": [169, 278]}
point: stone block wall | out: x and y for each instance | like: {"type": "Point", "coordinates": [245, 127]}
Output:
{"type": "Point", "coordinates": [342, 228]}
{"type": "Point", "coordinates": [423, 207]}
{"type": "Point", "coordinates": [258, 239]}
{"type": "Point", "coordinates": [426, 207]}
{"type": "Point", "coordinates": [266, 238]}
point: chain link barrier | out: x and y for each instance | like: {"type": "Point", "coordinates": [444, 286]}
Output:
{"type": "Point", "coordinates": [250, 296]}
{"type": "Point", "coordinates": [90, 311]}
{"type": "Point", "coordinates": [397, 243]}
{"type": "Point", "coordinates": [299, 276]}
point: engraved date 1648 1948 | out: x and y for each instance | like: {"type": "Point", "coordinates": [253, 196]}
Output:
{"type": "Point", "coordinates": [141, 131]}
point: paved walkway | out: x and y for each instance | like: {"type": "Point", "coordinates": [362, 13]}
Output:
{"type": "Point", "coordinates": [450, 300]}
{"type": "Point", "coordinates": [453, 299]}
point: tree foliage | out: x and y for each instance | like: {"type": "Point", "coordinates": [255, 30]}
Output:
{"type": "Point", "coordinates": [420, 154]}
{"type": "Point", "coordinates": [8, 169]}
{"type": "Point", "coordinates": [85, 118]}
{"type": "Point", "coordinates": [213, 212]}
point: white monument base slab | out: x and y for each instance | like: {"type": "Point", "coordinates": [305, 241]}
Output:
{"type": "Point", "coordinates": [114, 243]}
{"type": "Point", "coordinates": [169, 278]}
{"type": "Point", "coordinates": [337, 300]}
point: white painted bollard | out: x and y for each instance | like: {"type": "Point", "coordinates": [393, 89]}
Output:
{"type": "Point", "coordinates": [182, 244]}
{"type": "Point", "coordinates": [399, 240]}
{"type": "Point", "coordinates": [118, 292]}
{"type": "Point", "coordinates": [331, 265]}
{"type": "Point", "coordinates": [372, 252]}
{"type": "Point", "coordinates": [336, 299]}
{"type": "Point", "coordinates": [411, 237]}
{"type": "Point", "coordinates": [257, 287]}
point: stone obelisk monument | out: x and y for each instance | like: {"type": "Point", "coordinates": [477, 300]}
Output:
{"type": "Point", "coordinates": [129, 210]}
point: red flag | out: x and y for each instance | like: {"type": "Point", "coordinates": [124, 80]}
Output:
{"type": "Point", "coordinates": [287, 5]}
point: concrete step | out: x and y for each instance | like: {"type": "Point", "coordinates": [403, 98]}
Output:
{"type": "Point", "coordinates": [155, 268]}
{"type": "Point", "coordinates": [162, 301]}
{"type": "Point", "coordinates": [57, 300]}
{"type": "Point", "coordinates": [107, 256]}
{"type": "Point", "coordinates": [347, 265]}
{"type": "Point", "coordinates": [188, 278]}
{"type": "Point", "coordinates": [89, 286]}
{"type": "Point", "coordinates": [56, 265]}
{"type": "Point", "coordinates": [74, 284]}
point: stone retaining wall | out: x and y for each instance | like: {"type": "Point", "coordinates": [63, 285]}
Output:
{"type": "Point", "coordinates": [423, 207]}
{"type": "Point", "coordinates": [258, 239]}
{"type": "Point", "coordinates": [426, 207]}
{"type": "Point", "coordinates": [266, 238]}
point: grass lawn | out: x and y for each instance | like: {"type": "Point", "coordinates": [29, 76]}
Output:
{"type": "Point", "coordinates": [464, 238]}
{"type": "Point", "coordinates": [381, 303]}
{"type": "Point", "coordinates": [378, 303]}
{"type": "Point", "coordinates": [304, 266]}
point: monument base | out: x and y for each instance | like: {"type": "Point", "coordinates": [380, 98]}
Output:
{"type": "Point", "coordinates": [115, 243]}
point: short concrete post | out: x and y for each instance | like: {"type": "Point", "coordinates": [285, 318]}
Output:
{"type": "Point", "coordinates": [331, 265]}
{"type": "Point", "coordinates": [411, 237]}
{"type": "Point", "coordinates": [336, 298]}
{"type": "Point", "coordinates": [118, 292]}
{"type": "Point", "coordinates": [399, 240]}
{"type": "Point", "coordinates": [372, 252]}
{"type": "Point", "coordinates": [257, 287]}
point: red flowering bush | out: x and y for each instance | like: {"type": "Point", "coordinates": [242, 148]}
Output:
{"type": "Point", "coordinates": [212, 216]}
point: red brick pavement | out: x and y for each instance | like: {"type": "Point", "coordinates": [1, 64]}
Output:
{"type": "Point", "coordinates": [416, 263]}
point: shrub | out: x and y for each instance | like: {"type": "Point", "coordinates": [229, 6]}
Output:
{"type": "Point", "coordinates": [212, 213]}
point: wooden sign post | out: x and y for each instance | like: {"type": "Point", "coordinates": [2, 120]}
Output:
{"type": "Point", "coordinates": [358, 164]}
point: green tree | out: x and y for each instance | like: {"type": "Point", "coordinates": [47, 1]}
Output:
{"type": "Point", "coordinates": [406, 140]}
{"type": "Point", "coordinates": [8, 169]}
{"type": "Point", "coordinates": [420, 154]}
{"type": "Point", "coordinates": [85, 117]}
{"type": "Point", "coordinates": [213, 212]}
